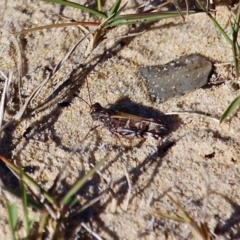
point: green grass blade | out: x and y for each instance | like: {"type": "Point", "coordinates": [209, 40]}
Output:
{"type": "Point", "coordinates": [99, 4]}
{"type": "Point", "coordinates": [236, 26]}
{"type": "Point", "coordinates": [232, 107]}
{"type": "Point", "coordinates": [215, 23]}
{"type": "Point", "coordinates": [12, 218]}
{"type": "Point", "coordinates": [25, 203]}
{"type": "Point", "coordinates": [30, 201]}
{"type": "Point", "coordinates": [79, 6]}
{"type": "Point", "coordinates": [235, 51]}
{"type": "Point", "coordinates": [201, 6]}
{"type": "Point", "coordinates": [56, 25]}
{"type": "Point", "coordinates": [220, 29]}
{"type": "Point", "coordinates": [146, 17]}
{"type": "Point", "coordinates": [28, 181]}
{"type": "Point", "coordinates": [42, 224]}
{"type": "Point", "coordinates": [114, 8]}
{"type": "Point", "coordinates": [122, 8]}
{"type": "Point", "coordinates": [235, 45]}
{"type": "Point", "coordinates": [69, 199]}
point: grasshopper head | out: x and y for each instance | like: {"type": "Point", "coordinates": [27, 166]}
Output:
{"type": "Point", "coordinates": [96, 107]}
{"type": "Point", "coordinates": [96, 110]}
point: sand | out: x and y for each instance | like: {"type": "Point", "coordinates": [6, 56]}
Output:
{"type": "Point", "coordinates": [198, 152]}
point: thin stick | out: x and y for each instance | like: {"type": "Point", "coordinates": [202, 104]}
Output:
{"type": "Point", "coordinates": [193, 114]}
{"type": "Point", "coordinates": [88, 92]}
{"type": "Point", "coordinates": [129, 187]}
{"type": "Point", "coordinates": [5, 97]}
{"type": "Point", "coordinates": [91, 231]}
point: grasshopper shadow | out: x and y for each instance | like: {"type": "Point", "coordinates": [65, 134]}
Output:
{"type": "Point", "coordinates": [171, 122]}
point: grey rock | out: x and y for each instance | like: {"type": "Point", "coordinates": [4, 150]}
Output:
{"type": "Point", "coordinates": [177, 77]}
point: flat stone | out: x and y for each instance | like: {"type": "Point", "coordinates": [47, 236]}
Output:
{"type": "Point", "coordinates": [177, 77]}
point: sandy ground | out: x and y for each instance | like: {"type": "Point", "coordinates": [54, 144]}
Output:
{"type": "Point", "coordinates": [197, 148]}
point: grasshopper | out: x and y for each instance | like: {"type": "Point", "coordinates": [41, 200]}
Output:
{"type": "Point", "coordinates": [124, 124]}
{"type": "Point", "coordinates": [127, 125]}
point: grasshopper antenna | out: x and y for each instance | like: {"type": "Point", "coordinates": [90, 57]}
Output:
{"type": "Point", "coordinates": [85, 101]}
{"type": "Point", "coordinates": [88, 96]}
{"type": "Point", "coordinates": [89, 93]}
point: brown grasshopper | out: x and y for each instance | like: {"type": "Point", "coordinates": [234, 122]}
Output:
{"type": "Point", "coordinates": [126, 125]}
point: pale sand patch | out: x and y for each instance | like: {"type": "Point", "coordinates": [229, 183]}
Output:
{"type": "Point", "coordinates": [56, 136]}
